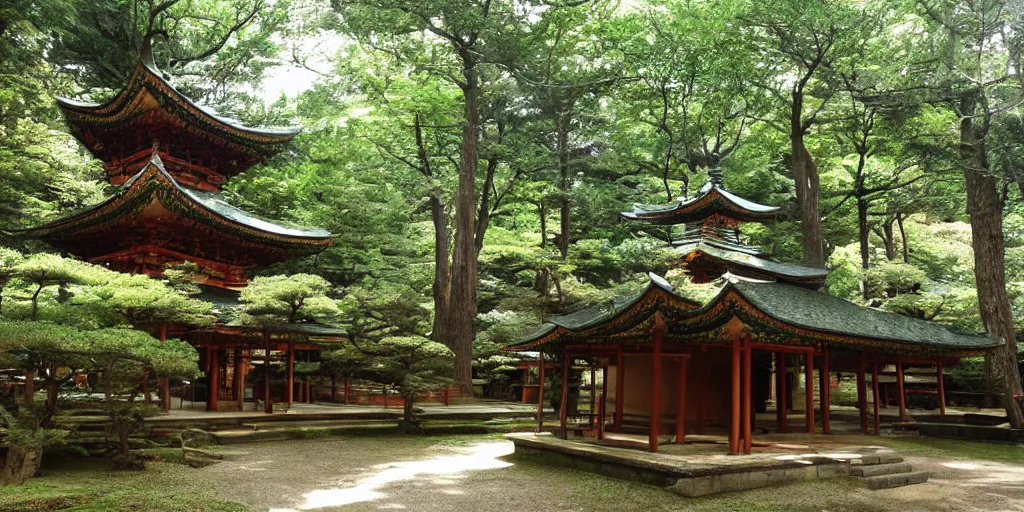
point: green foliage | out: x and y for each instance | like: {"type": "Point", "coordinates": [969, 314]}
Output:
{"type": "Point", "coordinates": [288, 299]}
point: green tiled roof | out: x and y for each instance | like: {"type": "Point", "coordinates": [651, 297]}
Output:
{"type": "Point", "coordinates": [738, 261]}
{"type": "Point", "coordinates": [711, 199]}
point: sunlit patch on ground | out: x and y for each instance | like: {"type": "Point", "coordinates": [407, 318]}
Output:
{"type": "Point", "coordinates": [481, 456]}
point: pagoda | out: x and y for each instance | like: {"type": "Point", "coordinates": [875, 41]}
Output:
{"type": "Point", "coordinates": [170, 157]}
{"type": "Point", "coordinates": [711, 244]}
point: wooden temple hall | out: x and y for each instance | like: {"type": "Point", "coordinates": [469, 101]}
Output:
{"type": "Point", "coordinates": [670, 364]}
{"type": "Point", "coordinates": [169, 158]}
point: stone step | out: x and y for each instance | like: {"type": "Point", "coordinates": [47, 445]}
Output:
{"type": "Point", "coordinates": [881, 469]}
{"type": "Point", "coordinates": [897, 480]}
{"type": "Point", "coordinates": [873, 459]}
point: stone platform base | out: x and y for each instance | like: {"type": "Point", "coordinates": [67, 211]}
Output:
{"type": "Point", "coordinates": [700, 474]}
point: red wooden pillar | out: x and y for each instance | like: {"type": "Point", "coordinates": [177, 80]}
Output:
{"type": "Point", "coordinates": [593, 392]}
{"type": "Point", "coordinates": [604, 401]}
{"type": "Point", "coordinates": [268, 407]}
{"type": "Point", "coordinates": [783, 402]}
{"type": "Point", "coordinates": [825, 387]}
{"type": "Point", "coordinates": [862, 399]}
{"type": "Point", "coordinates": [681, 405]}
{"type": "Point", "coordinates": [540, 393]}
{"type": "Point", "coordinates": [563, 410]}
{"type": "Point", "coordinates": [748, 411]}
{"type": "Point", "coordinates": [942, 389]}
{"type": "Point", "coordinates": [652, 439]}
{"type": "Point", "coordinates": [620, 387]}
{"type": "Point", "coordinates": [734, 417]}
{"type": "Point", "coordinates": [901, 389]}
{"type": "Point", "coordinates": [875, 397]}
{"type": "Point", "coordinates": [809, 389]}
{"type": "Point", "coordinates": [213, 389]}
{"type": "Point", "coordinates": [289, 388]}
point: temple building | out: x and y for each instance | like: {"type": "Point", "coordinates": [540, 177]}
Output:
{"type": "Point", "coordinates": [672, 363]}
{"type": "Point", "coordinates": [170, 158]}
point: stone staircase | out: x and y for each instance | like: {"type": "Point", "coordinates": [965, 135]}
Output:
{"type": "Point", "coordinates": [886, 471]}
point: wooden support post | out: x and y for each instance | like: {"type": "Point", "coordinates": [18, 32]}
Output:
{"type": "Point", "coordinates": [875, 397]}
{"type": "Point", "coordinates": [540, 393]}
{"type": "Point", "coordinates": [809, 389]}
{"type": "Point", "coordinates": [334, 389]}
{"type": "Point", "coordinates": [563, 410]}
{"type": "Point", "coordinates": [748, 409]}
{"type": "Point", "coordinates": [348, 389]}
{"type": "Point", "coordinates": [213, 387]}
{"type": "Point", "coordinates": [862, 399]}
{"type": "Point", "coordinates": [825, 384]}
{"type": "Point", "coordinates": [289, 388]}
{"type": "Point", "coordinates": [604, 400]}
{"type": "Point", "coordinates": [268, 407]}
{"type": "Point", "coordinates": [702, 376]}
{"type": "Point", "coordinates": [593, 393]}
{"type": "Point", "coordinates": [901, 389]}
{"type": "Point", "coordinates": [146, 399]}
{"type": "Point", "coordinates": [681, 405]}
{"type": "Point", "coordinates": [783, 392]}
{"type": "Point", "coordinates": [652, 439]}
{"type": "Point", "coordinates": [620, 387]}
{"type": "Point", "coordinates": [734, 417]}
{"type": "Point", "coordinates": [942, 389]}
{"type": "Point", "coordinates": [30, 387]}
{"type": "Point", "coordinates": [778, 391]}
{"type": "Point", "coordinates": [241, 368]}
{"type": "Point", "coordinates": [236, 374]}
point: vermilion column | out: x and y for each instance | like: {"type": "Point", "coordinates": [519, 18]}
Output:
{"type": "Point", "coordinates": [747, 409]}
{"type": "Point", "coordinates": [268, 407]}
{"type": "Point", "coordinates": [652, 439]}
{"type": "Point", "coordinates": [826, 392]}
{"type": "Point", "coordinates": [875, 397]}
{"type": "Point", "coordinates": [900, 388]}
{"type": "Point", "coordinates": [213, 390]}
{"type": "Point", "coordinates": [620, 387]}
{"type": "Point", "coordinates": [734, 418]}
{"type": "Point", "coordinates": [563, 410]}
{"type": "Point", "coordinates": [540, 393]}
{"type": "Point", "coordinates": [783, 401]}
{"type": "Point", "coordinates": [942, 389]}
{"type": "Point", "coordinates": [604, 401]}
{"type": "Point", "coordinates": [862, 399]}
{"type": "Point", "coordinates": [809, 389]}
{"type": "Point", "coordinates": [681, 406]}
{"type": "Point", "coordinates": [289, 390]}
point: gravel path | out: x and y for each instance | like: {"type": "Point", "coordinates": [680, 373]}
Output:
{"type": "Point", "coordinates": [469, 474]}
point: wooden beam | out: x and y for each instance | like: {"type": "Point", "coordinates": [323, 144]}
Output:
{"type": "Point", "coordinates": [942, 388]}
{"type": "Point", "coordinates": [681, 405]}
{"type": "Point", "coordinates": [620, 387]}
{"type": "Point", "coordinates": [862, 399]}
{"type": "Point", "coordinates": [809, 389]}
{"type": "Point", "coordinates": [652, 439]}
{"type": "Point", "coordinates": [540, 393]}
{"type": "Point", "coordinates": [901, 390]}
{"type": "Point", "coordinates": [734, 418]}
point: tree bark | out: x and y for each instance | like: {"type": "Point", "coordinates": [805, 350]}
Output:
{"type": "Point", "coordinates": [564, 181]}
{"type": "Point", "coordinates": [458, 335]}
{"type": "Point", "coordinates": [805, 177]}
{"type": "Point", "coordinates": [863, 233]}
{"type": "Point", "coordinates": [903, 238]}
{"type": "Point", "coordinates": [985, 207]}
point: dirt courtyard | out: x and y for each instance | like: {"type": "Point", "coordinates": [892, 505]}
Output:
{"type": "Point", "coordinates": [467, 474]}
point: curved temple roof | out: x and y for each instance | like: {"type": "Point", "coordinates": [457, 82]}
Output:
{"type": "Point", "coordinates": [741, 263]}
{"type": "Point", "coordinates": [152, 185]}
{"type": "Point", "coordinates": [148, 98]}
{"type": "Point", "coordinates": [772, 311]}
{"type": "Point", "coordinates": [710, 200]}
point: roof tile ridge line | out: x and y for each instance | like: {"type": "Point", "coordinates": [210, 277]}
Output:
{"type": "Point", "coordinates": [119, 97]}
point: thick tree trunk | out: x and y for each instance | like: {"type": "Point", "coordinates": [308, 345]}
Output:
{"type": "Point", "coordinates": [863, 232]}
{"type": "Point", "coordinates": [442, 268]}
{"type": "Point", "coordinates": [889, 238]}
{"type": "Point", "coordinates": [564, 182]}
{"type": "Point", "coordinates": [805, 177]}
{"type": "Point", "coordinates": [458, 335]}
{"type": "Point", "coordinates": [984, 205]}
{"type": "Point", "coordinates": [903, 238]}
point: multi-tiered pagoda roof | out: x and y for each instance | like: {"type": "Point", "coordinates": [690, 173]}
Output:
{"type": "Point", "coordinates": [170, 158]}
{"type": "Point", "coordinates": [711, 244]}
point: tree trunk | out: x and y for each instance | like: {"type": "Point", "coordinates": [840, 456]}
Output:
{"type": "Point", "coordinates": [564, 181]}
{"type": "Point", "coordinates": [903, 238]}
{"type": "Point", "coordinates": [889, 239]}
{"type": "Point", "coordinates": [863, 233]}
{"type": "Point", "coordinates": [805, 177]}
{"type": "Point", "coordinates": [458, 335]}
{"type": "Point", "coordinates": [984, 205]}
{"type": "Point", "coordinates": [18, 464]}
